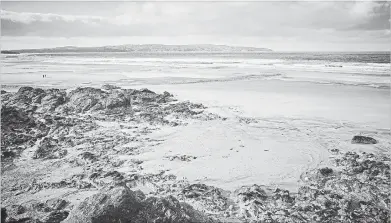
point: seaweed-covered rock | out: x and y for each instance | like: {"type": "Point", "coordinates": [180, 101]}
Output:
{"type": "Point", "coordinates": [363, 140]}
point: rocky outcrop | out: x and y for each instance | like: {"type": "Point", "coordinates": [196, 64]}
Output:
{"type": "Point", "coordinates": [94, 99]}
{"type": "Point", "coordinates": [33, 113]}
{"type": "Point", "coordinates": [36, 99]}
{"type": "Point", "coordinates": [363, 140]}
{"type": "Point", "coordinates": [355, 191]}
{"type": "Point", "coordinates": [120, 204]}
{"type": "Point", "coordinates": [75, 129]}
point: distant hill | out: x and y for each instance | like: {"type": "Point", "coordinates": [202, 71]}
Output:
{"type": "Point", "coordinates": [8, 52]}
{"type": "Point", "coordinates": [148, 48]}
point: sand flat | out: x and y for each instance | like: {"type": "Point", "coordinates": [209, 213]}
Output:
{"type": "Point", "coordinates": [275, 131]}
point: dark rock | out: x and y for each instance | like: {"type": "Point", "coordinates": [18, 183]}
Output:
{"type": "Point", "coordinates": [7, 154]}
{"type": "Point", "coordinates": [325, 171]}
{"type": "Point", "coordinates": [363, 140]}
{"type": "Point", "coordinates": [120, 204]}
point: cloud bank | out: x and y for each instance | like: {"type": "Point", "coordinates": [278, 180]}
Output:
{"type": "Point", "coordinates": [312, 23]}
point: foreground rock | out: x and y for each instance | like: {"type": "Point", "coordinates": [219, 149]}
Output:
{"type": "Point", "coordinates": [120, 204]}
{"type": "Point", "coordinates": [364, 140]}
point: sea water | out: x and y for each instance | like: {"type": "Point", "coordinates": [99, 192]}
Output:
{"type": "Point", "coordinates": [371, 69]}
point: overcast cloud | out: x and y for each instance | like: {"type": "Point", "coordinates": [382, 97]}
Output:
{"type": "Point", "coordinates": [277, 25]}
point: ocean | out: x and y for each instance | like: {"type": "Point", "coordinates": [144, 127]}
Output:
{"type": "Point", "coordinates": [371, 69]}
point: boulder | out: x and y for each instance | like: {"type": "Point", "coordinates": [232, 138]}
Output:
{"type": "Point", "coordinates": [363, 140]}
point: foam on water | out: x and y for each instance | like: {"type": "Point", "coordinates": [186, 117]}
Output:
{"type": "Point", "coordinates": [364, 69]}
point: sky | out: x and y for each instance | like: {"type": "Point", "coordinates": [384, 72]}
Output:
{"type": "Point", "coordinates": [281, 26]}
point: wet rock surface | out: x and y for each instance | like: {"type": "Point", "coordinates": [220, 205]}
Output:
{"type": "Point", "coordinates": [69, 157]}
